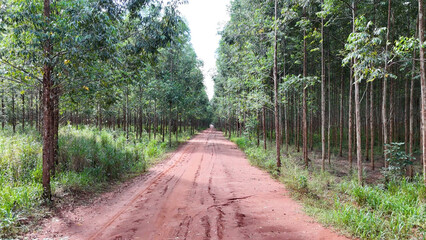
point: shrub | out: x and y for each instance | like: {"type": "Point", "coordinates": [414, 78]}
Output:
{"type": "Point", "coordinates": [398, 161]}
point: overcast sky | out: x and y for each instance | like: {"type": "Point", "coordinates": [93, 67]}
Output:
{"type": "Point", "coordinates": [205, 18]}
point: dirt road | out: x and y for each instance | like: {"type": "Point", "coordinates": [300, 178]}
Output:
{"type": "Point", "coordinates": [206, 190]}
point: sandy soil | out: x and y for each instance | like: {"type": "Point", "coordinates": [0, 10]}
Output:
{"type": "Point", "coordinates": [205, 190]}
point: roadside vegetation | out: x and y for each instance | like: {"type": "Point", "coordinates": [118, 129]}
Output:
{"type": "Point", "coordinates": [89, 161]}
{"type": "Point", "coordinates": [91, 92]}
{"type": "Point", "coordinates": [395, 209]}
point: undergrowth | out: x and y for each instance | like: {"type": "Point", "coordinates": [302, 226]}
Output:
{"type": "Point", "coordinates": [391, 210]}
{"type": "Point", "coordinates": [88, 159]}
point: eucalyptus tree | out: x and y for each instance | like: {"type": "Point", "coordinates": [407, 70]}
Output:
{"type": "Point", "coordinates": [69, 40]}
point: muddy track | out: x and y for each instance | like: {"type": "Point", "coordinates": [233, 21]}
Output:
{"type": "Point", "coordinates": [206, 190]}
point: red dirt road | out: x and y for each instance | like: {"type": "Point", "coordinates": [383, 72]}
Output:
{"type": "Point", "coordinates": [206, 190]}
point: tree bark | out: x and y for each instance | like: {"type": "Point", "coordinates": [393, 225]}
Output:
{"type": "Point", "coordinates": [384, 112]}
{"type": "Point", "coordinates": [372, 125]}
{"type": "Point", "coordinates": [322, 96]}
{"type": "Point", "coordinates": [423, 86]}
{"type": "Point", "coordinates": [3, 110]}
{"type": "Point", "coordinates": [411, 121]}
{"type": "Point", "coordinates": [277, 120]}
{"type": "Point", "coordinates": [263, 126]}
{"type": "Point", "coordinates": [304, 107]}
{"type": "Point", "coordinates": [23, 111]}
{"type": "Point", "coordinates": [341, 117]}
{"type": "Point", "coordinates": [48, 138]}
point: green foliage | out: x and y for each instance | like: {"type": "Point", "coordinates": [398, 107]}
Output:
{"type": "Point", "coordinates": [363, 46]}
{"type": "Point", "coordinates": [88, 158]}
{"type": "Point", "coordinates": [398, 161]}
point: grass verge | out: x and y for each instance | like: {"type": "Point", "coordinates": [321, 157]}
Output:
{"type": "Point", "coordinates": [89, 160]}
{"type": "Point", "coordinates": [393, 210]}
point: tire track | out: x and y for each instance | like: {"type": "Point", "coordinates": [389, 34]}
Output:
{"type": "Point", "coordinates": [139, 195]}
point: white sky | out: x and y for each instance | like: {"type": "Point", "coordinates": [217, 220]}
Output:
{"type": "Point", "coordinates": [205, 18]}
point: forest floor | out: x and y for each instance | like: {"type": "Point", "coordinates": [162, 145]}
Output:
{"type": "Point", "coordinates": [205, 190]}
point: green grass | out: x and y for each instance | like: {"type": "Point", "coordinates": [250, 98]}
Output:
{"type": "Point", "coordinates": [395, 210]}
{"type": "Point", "coordinates": [88, 160]}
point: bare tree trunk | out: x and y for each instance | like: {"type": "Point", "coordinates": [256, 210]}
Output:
{"type": "Point", "coordinates": [155, 120]}
{"type": "Point", "coordinates": [322, 96]}
{"type": "Point", "coordinates": [48, 151]}
{"type": "Point", "coordinates": [371, 125]}
{"type": "Point", "coordinates": [304, 107]}
{"type": "Point", "coordinates": [391, 112]}
{"type": "Point", "coordinates": [358, 130]}
{"type": "Point", "coordinates": [367, 146]}
{"type": "Point", "coordinates": [286, 127]}
{"type": "Point", "coordinates": [275, 72]}
{"type": "Point", "coordinates": [350, 124]}
{"type": "Point", "coordinates": [23, 111]}
{"type": "Point", "coordinates": [411, 134]}
{"type": "Point", "coordinates": [341, 117]}
{"type": "Point", "coordinates": [3, 110]}
{"type": "Point", "coordinates": [170, 124]}
{"type": "Point", "coordinates": [406, 115]}
{"type": "Point", "coordinates": [384, 114]}
{"type": "Point", "coordinates": [264, 126]}
{"type": "Point", "coordinates": [13, 112]}
{"type": "Point", "coordinates": [423, 86]}
{"type": "Point", "coordinates": [329, 110]}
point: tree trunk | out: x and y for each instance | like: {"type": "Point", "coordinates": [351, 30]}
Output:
{"type": "Point", "coordinates": [371, 125]}
{"type": "Point", "coordinates": [341, 117]}
{"type": "Point", "coordinates": [411, 115]}
{"type": "Point", "coordinates": [23, 111]}
{"type": "Point", "coordinates": [350, 124]}
{"type": "Point", "coordinates": [329, 110]}
{"type": "Point", "coordinates": [13, 112]}
{"type": "Point", "coordinates": [3, 111]}
{"type": "Point", "coordinates": [264, 126]}
{"type": "Point", "coordinates": [304, 107]}
{"type": "Point", "coordinates": [367, 132]}
{"type": "Point", "coordinates": [423, 86]}
{"type": "Point", "coordinates": [277, 120]}
{"type": "Point", "coordinates": [48, 138]}
{"type": "Point", "coordinates": [322, 96]}
{"type": "Point", "coordinates": [384, 112]}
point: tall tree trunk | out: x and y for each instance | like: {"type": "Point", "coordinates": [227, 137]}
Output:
{"type": "Point", "coordinates": [48, 138]}
{"type": "Point", "coordinates": [367, 132]}
{"type": "Point", "coordinates": [3, 110]}
{"type": "Point", "coordinates": [322, 96]}
{"type": "Point", "coordinates": [350, 124]}
{"type": "Point", "coordinates": [384, 112]}
{"type": "Point", "coordinates": [13, 112]}
{"type": "Point", "coordinates": [329, 110]}
{"type": "Point", "coordinates": [126, 113]}
{"type": "Point", "coordinates": [358, 130]}
{"type": "Point", "coordinates": [406, 114]}
{"type": "Point", "coordinates": [423, 86]}
{"type": "Point", "coordinates": [411, 115]}
{"type": "Point", "coordinates": [341, 116]}
{"type": "Point", "coordinates": [277, 120]}
{"type": "Point", "coordinates": [23, 111]}
{"type": "Point", "coordinates": [263, 126]}
{"type": "Point", "coordinates": [55, 160]}
{"type": "Point", "coordinates": [304, 107]}
{"type": "Point", "coordinates": [372, 125]}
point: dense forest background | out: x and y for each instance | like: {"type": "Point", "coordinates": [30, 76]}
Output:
{"type": "Point", "coordinates": [328, 96]}
{"type": "Point", "coordinates": [91, 90]}
{"type": "Point", "coordinates": [342, 77]}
